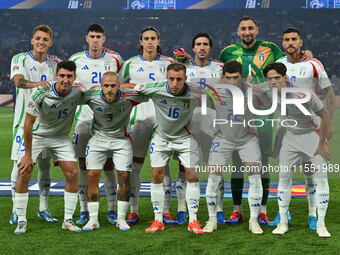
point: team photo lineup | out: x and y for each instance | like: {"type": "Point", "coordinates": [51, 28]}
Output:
{"type": "Point", "coordinates": [156, 106]}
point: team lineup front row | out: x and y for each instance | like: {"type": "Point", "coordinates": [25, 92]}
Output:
{"type": "Point", "coordinates": [165, 108]}
{"type": "Point", "coordinates": [54, 110]}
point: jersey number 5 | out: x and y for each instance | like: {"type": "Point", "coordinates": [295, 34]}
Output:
{"type": "Point", "coordinates": [152, 76]}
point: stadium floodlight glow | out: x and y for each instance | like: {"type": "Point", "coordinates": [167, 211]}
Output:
{"type": "Point", "coordinates": [238, 100]}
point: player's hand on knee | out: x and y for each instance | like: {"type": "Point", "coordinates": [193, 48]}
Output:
{"type": "Point", "coordinates": [25, 164]}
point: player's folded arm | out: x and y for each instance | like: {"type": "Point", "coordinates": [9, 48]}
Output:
{"type": "Point", "coordinates": [127, 85]}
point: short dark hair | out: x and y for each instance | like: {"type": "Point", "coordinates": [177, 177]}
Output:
{"type": "Point", "coordinates": [244, 18]}
{"type": "Point", "coordinates": [201, 34]}
{"type": "Point", "coordinates": [68, 65]}
{"type": "Point", "coordinates": [232, 66]}
{"type": "Point", "coordinates": [150, 28]}
{"type": "Point", "coordinates": [280, 68]}
{"type": "Point", "coordinates": [291, 30]}
{"type": "Point", "coordinates": [95, 28]}
{"type": "Point", "coordinates": [176, 67]}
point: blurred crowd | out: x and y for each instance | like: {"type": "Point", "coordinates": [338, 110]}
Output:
{"type": "Point", "coordinates": [319, 31]}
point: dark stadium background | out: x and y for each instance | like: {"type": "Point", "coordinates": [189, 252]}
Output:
{"type": "Point", "coordinates": [320, 29]}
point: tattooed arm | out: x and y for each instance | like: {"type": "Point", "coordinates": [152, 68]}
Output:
{"type": "Point", "coordinates": [21, 82]}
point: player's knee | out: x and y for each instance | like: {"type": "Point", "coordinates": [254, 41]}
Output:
{"type": "Point", "coordinates": [71, 174]}
{"type": "Point", "coordinates": [157, 179]}
{"type": "Point", "coordinates": [123, 177]}
{"type": "Point", "coordinates": [93, 176]}
{"type": "Point", "coordinates": [192, 179]}
{"type": "Point", "coordinates": [25, 176]}
{"type": "Point", "coordinates": [158, 174]}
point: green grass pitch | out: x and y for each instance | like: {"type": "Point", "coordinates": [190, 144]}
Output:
{"type": "Point", "coordinates": [49, 238]}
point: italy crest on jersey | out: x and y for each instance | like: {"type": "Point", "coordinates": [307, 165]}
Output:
{"type": "Point", "coordinates": [261, 56]}
{"type": "Point", "coordinates": [302, 71]}
{"type": "Point", "coordinates": [162, 68]}
{"type": "Point", "coordinates": [213, 74]}
{"type": "Point", "coordinates": [107, 66]}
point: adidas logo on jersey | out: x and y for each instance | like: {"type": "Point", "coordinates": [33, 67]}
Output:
{"type": "Point", "coordinates": [53, 106]}
{"type": "Point", "coordinates": [163, 101]}
{"type": "Point", "coordinates": [85, 67]}
{"type": "Point", "coordinates": [99, 109]}
{"type": "Point", "coordinates": [191, 74]}
{"type": "Point", "coordinates": [140, 70]}
{"type": "Point", "coordinates": [33, 69]}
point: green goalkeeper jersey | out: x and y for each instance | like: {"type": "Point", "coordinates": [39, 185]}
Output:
{"type": "Point", "coordinates": [253, 60]}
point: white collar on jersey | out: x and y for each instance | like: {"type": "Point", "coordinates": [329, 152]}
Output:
{"type": "Point", "coordinates": [295, 63]}
{"type": "Point", "coordinates": [33, 57]}
{"type": "Point", "coordinates": [143, 59]}
{"type": "Point", "coordinates": [88, 54]}
{"type": "Point", "coordinates": [194, 63]}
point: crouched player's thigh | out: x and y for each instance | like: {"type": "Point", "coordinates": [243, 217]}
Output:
{"type": "Point", "coordinates": [80, 137]}
{"type": "Point", "coordinates": [187, 150]}
{"type": "Point", "coordinates": [61, 149]}
{"type": "Point", "coordinates": [221, 150]}
{"type": "Point", "coordinates": [101, 148]}
{"type": "Point", "coordinates": [160, 151]}
{"type": "Point", "coordinates": [141, 127]}
{"type": "Point", "coordinates": [249, 151]}
{"type": "Point", "coordinates": [289, 157]}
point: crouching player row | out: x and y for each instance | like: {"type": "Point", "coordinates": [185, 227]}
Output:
{"type": "Point", "coordinates": [174, 101]}
{"type": "Point", "coordinates": [111, 107]}
{"type": "Point", "coordinates": [49, 118]}
{"type": "Point", "coordinates": [304, 142]}
{"type": "Point", "coordinates": [48, 122]}
{"type": "Point", "coordinates": [233, 137]}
